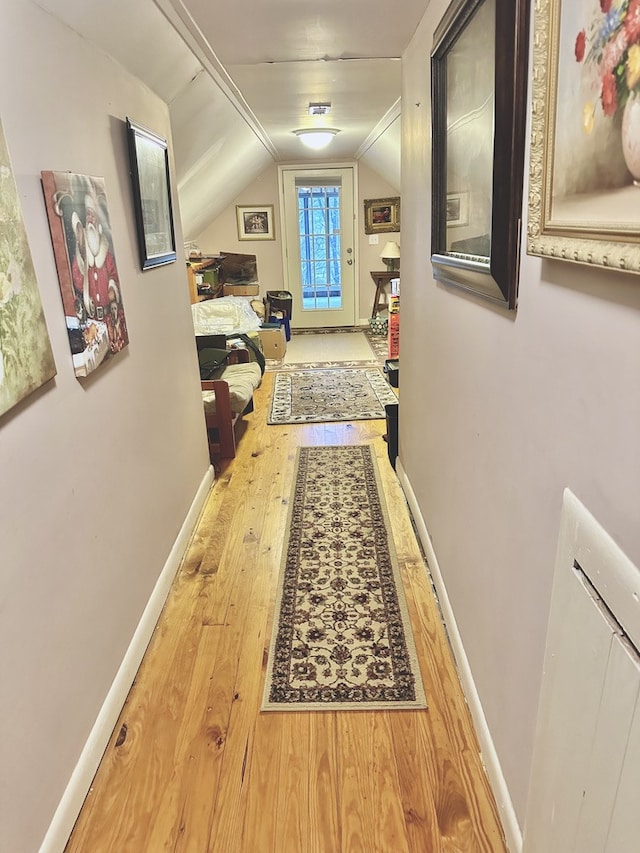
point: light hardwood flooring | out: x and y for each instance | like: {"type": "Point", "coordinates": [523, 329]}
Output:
{"type": "Point", "coordinates": [194, 766]}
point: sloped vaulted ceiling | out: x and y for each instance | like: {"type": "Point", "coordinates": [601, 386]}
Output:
{"type": "Point", "coordinates": [229, 123]}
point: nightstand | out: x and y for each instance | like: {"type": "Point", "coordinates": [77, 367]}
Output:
{"type": "Point", "coordinates": [381, 280]}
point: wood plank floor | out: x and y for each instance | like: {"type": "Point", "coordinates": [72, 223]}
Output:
{"type": "Point", "coordinates": [194, 766]}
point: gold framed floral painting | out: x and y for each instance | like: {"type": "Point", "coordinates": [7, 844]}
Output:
{"type": "Point", "coordinates": [584, 200]}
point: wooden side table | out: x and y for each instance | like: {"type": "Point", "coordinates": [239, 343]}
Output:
{"type": "Point", "coordinates": [381, 280]}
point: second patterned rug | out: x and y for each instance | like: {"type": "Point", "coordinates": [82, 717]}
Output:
{"type": "Point", "coordinates": [317, 396]}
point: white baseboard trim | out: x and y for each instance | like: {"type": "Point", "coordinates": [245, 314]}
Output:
{"type": "Point", "coordinates": [513, 833]}
{"type": "Point", "coordinates": [76, 791]}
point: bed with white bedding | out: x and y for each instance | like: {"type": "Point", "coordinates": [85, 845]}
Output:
{"type": "Point", "coordinates": [227, 315]}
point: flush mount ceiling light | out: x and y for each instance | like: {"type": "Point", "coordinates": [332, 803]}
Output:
{"type": "Point", "coordinates": [316, 137]}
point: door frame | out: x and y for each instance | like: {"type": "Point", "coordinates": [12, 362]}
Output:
{"type": "Point", "coordinates": [328, 167]}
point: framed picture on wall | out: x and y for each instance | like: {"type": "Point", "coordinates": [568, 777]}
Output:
{"type": "Point", "coordinates": [457, 209]}
{"type": "Point", "coordinates": [26, 357]}
{"type": "Point", "coordinates": [90, 287]}
{"type": "Point", "coordinates": [479, 85]}
{"type": "Point", "coordinates": [381, 215]}
{"type": "Point", "coordinates": [151, 185]}
{"type": "Point", "coordinates": [584, 204]}
{"type": "Point", "coordinates": [255, 222]}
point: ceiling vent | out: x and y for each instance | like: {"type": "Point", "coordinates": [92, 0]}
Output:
{"type": "Point", "coordinates": [319, 109]}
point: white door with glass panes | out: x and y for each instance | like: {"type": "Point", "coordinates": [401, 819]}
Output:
{"type": "Point", "coordinates": [319, 245]}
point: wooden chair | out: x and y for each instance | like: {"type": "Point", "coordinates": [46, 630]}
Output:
{"type": "Point", "coordinates": [231, 399]}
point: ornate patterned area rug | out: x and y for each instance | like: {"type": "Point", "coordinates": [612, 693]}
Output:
{"type": "Point", "coordinates": [379, 345]}
{"type": "Point", "coordinates": [341, 636]}
{"type": "Point", "coordinates": [316, 396]}
{"type": "Point", "coordinates": [320, 365]}
{"type": "Point", "coordinates": [378, 342]}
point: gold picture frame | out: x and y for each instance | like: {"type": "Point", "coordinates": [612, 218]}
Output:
{"type": "Point", "coordinates": [582, 205]}
{"type": "Point", "coordinates": [381, 215]}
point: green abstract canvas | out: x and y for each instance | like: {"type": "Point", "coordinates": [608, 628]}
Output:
{"type": "Point", "coordinates": [26, 358]}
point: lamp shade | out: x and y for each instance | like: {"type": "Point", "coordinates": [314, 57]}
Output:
{"type": "Point", "coordinates": [316, 137]}
{"type": "Point", "coordinates": [391, 250]}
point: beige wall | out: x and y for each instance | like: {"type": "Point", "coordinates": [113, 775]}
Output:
{"type": "Point", "coordinates": [222, 234]}
{"type": "Point", "coordinates": [372, 186]}
{"type": "Point", "coordinates": [97, 477]}
{"type": "Point", "coordinates": [499, 413]}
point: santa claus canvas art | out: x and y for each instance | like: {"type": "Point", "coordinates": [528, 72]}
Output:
{"type": "Point", "coordinates": [87, 272]}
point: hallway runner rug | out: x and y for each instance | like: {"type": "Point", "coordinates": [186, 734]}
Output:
{"type": "Point", "coordinates": [341, 636]}
{"type": "Point", "coordinates": [317, 396]}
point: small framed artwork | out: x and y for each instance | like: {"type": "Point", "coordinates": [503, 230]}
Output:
{"type": "Point", "coordinates": [151, 185]}
{"type": "Point", "coordinates": [584, 201]}
{"type": "Point", "coordinates": [381, 215]}
{"type": "Point", "coordinates": [255, 222]}
{"type": "Point", "coordinates": [457, 209]}
{"type": "Point", "coordinates": [478, 103]}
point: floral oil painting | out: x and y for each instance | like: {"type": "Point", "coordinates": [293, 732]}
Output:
{"type": "Point", "coordinates": [26, 358]}
{"type": "Point", "coordinates": [596, 157]}
{"type": "Point", "coordinates": [87, 272]}
{"type": "Point", "coordinates": [584, 193]}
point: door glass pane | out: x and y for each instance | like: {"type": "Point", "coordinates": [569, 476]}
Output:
{"type": "Point", "coordinates": [319, 230]}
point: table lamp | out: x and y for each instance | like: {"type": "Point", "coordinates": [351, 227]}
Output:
{"type": "Point", "coordinates": [391, 256]}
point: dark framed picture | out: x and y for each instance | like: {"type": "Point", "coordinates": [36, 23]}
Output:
{"type": "Point", "coordinates": [584, 202]}
{"type": "Point", "coordinates": [151, 196]}
{"type": "Point", "coordinates": [381, 215]}
{"type": "Point", "coordinates": [479, 85]}
{"type": "Point", "coordinates": [457, 209]}
{"type": "Point", "coordinates": [255, 222]}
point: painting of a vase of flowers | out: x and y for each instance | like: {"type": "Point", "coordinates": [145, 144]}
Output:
{"type": "Point", "coordinates": [608, 47]}
{"type": "Point", "coordinates": [584, 202]}
{"type": "Point", "coordinates": [631, 136]}
{"type": "Point", "coordinates": [595, 65]}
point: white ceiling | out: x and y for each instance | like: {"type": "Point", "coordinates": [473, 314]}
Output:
{"type": "Point", "coordinates": [238, 76]}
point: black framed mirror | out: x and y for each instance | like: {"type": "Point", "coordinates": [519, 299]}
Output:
{"type": "Point", "coordinates": [478, 87]}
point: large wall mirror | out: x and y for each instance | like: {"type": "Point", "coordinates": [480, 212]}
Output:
{"type": "Point", "coordinates": [479, 85]}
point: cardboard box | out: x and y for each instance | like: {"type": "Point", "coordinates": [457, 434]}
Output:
{"type": "Point", "coordinates": [240, 289]}
{"type": "Point", "coordinates": [274, 342]}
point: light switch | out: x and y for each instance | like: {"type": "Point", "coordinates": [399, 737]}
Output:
{"type": "Point", "coordinates": [373, 239]}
